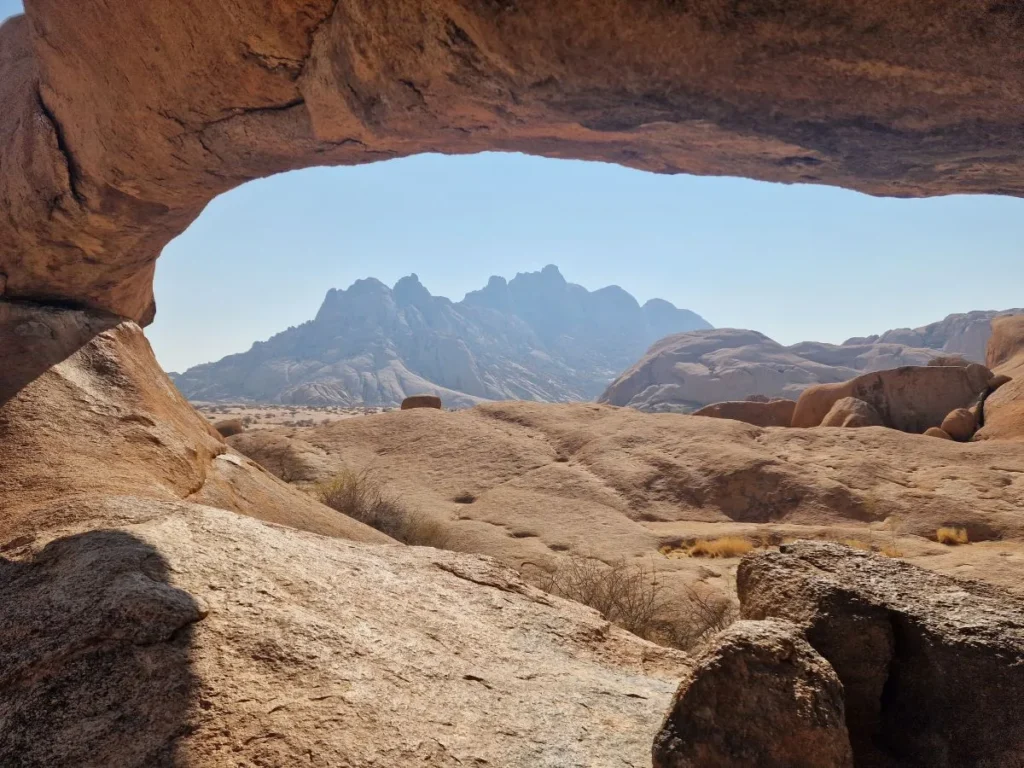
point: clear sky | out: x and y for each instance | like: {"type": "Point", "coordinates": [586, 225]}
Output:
{"type": "Point", "coordinates": [795, 262]}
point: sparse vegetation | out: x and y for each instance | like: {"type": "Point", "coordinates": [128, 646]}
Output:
{"type": "Point", "coordinates": [229, 427]}
{"type": "Point", "coordinates": [363, 497]}
{"type": "Point", "coordinates": [951, 537]}
{"type": "Point", "coordinates": [630, 595]}
{"type": "Point", "coordinates": [727, 546]}
{"type": "Point", "coordinates": [952, 360]}
{"type": "Point", "coordinates": [858, 544]}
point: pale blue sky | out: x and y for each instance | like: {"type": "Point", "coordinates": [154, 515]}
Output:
{"type": "Point", "coordinates": [795, 262]}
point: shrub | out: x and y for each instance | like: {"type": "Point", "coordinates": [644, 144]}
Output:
{"type": "Point", "coordinates": [631, 597]}
{"type": "Point", "coordinates": [951, 537]}
{"type": "Point", "coordinates": [758, 399]}
{"type": "Point", "coordinates": [363, 497]}
{"type": "Point", "coordinates": [951, 360]}
{"type": "Point", "coordinates": [229, 427]}
{"type": "Point", "coordinates": [727, 546]}
{"type": "Point", "coordinates": [857, 544]}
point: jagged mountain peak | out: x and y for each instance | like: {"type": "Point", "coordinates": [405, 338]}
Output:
{"type": "Point", "coordinates": [535, 337]}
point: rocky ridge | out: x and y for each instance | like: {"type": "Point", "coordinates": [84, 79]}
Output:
{"type": "Point", "coordinates": [536, 337]}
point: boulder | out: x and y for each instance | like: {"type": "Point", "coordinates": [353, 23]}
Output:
{"type": "Point", "coordinates": [1004, 407]}
{"type": "Point", "coordinates": [760, 695]}
{"type": "Point", "coordinates": [909, 399]}
{"type": "Point", "coordinates": [768, 413]}
{"type": "Point", "coordinates": [157, 634]}
{"type": "Point", "coordinates": [938, 432]}
{"type": "Point", "coordinates": [229, 427]}
{"type": "Point", "coordinates": [960, 424]}
{"type": "Point", "coordinates": [932, 667]}
{"type": "Point", "coordinates": [852, 412]}
{"type": "Point", "coordinates": [421, 401]}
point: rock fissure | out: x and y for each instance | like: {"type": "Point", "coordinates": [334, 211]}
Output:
{"type": "Point", "coordinates": [74, 179]}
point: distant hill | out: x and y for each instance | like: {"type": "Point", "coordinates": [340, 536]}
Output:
{"type": "Point", "coordinates": [687, 371]}
{"type": "Point", "coordinates": [536, 337]}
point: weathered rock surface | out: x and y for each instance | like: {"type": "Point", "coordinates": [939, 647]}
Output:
{"type": "Point", "coordinates": [759, 696]}
{"type": "Point", "coordinates": [162, 634]}
{"type": "Point", "coordinates": [960, 424]}
{"type": "Point", "coordinates": [124, 122]}
{"type": "Point", "coordinates": [931, 667]}
{"type": "Point", "coordinates": [1004, 408]}
{"type": "Point", "coordinates": [908, 399]}
{"type": "Point", "coordinates": [685, 372]}
{"type": "Point", "coordinates": [775, 413]}
{"type": "Point", "coordinates": [535, 337]}
{"type": "Point", "coordinates": [86, 411]}
{"type": "Point", "coordinates": [851, 412]}
{"type": "Point", "coordinates": [616, 482]}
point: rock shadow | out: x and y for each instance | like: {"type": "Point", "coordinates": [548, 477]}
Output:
{"type": "Point", "coordinates": [34, 338]}
{"type": "Point", "coordinates": [94, 655]}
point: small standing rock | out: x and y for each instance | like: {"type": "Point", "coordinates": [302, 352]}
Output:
{"type": "Point", "coordinates": [421, 401]}
{"type": "Point", "coordinates": [937, 432]}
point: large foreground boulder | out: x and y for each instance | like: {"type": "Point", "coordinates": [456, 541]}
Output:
{"type": "Point", "coordinates": [761, 696]}
{"type": "Point", "coordinates": [773, 413]}
{"type": "Point", "coordinates": [909, 399]}
{"type": "Point", "coordinates": [86, 411]}
{"type": "Point", "coordinates": [852, 412]}
{"type": "Point", "coordinates": [157, 634]}
{"type": "Point", "coordinates": [932, 667]}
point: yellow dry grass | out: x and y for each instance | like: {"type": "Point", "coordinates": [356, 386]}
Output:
{"type": "Point", "coordinates": [951, 537]}
{"type": "Point", "coordinates": [727, 546]}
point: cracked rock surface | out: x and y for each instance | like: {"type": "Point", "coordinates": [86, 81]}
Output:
{"type": "Point", "coordinates": [161, 633]}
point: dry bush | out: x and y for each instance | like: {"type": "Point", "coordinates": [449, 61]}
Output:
{"type": "Point", "coordinates": [951, 360]}
{"type": "Point", "coordinates": [857, 544]}
{"type": "Point", "coordinates": [630, 596]}
{"type": "Point", "coordinates": [951, 537]}
{"type": "Point", "coordinates": [891, 551]}
{"type": "Point", "coordinates": [727, 546]}
{"type": "Point", "coordinates": [229, 427]}
{"type": "Point", "coordinates": [363, 497]}
{"type": "Point", "coordinates": [758, 399]}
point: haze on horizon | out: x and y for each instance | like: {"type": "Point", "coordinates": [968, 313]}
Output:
{"type": "Point", "coordinates": [794, 262]}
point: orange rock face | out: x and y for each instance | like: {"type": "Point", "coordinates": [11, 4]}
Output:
{"type": "Point", "coordinates": [1004, 408]}
{"type": "Point", "coordinates": [121, 122]}
{"type": "Point", "coordinates": [775, 413]}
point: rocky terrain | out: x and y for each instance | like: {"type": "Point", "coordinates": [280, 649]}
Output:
{"type": "Point", "coordinates": [536, 337]}
{"type": "Point", "coordinates": [165, 601]}
{"type": "Point", "coordinates": [685, 372]}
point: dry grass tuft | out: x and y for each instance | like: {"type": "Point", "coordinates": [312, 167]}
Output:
{"type": "Point", "coordinates": [891, 551]}
{"type": "Point", "coordinates": [857, 544]}
{"type": "Point", "coordinates": [630, 596]}
{"type": "Point", "coordinates": [362, 496]}
{"type": "Point", "coordinates": [952, 537]}
{"type": "Point", "coordinates": [727, 546]}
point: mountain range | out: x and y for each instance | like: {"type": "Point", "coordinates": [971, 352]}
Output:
{"type": "Point", "coordinates": [535, 337]}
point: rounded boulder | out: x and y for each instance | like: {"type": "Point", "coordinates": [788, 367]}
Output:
{"type": "Point", "coordinates": [421, 401]}
{"type": "Point", "coordinates": [960, 424]}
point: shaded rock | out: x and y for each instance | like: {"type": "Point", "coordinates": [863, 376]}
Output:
{"type": "Point", "coordinates": [760, 695]}
{"type": "Point", "coordinates": [998, 381]}
{"type": "Point", "coordinates": [421, 401]}
{"type": "Point", "coordinates": [931, 666]}
{"type": "Point", "coordinates": [960, 424]}
{"type": "Point", "coordinates": [851, 412]}
{"type": "Point", "coordinates": [908, 399]}
{"type": "Point", "coordinates": [178, 634]}
{"type": "Point", "coordinates": [229, 427]}
{"type": "Point", "coordinates": [938, 432]}
{"type": "Point", "coordinates": [767, 413]}
{"type": "Point", "coordinates": [290, 458]}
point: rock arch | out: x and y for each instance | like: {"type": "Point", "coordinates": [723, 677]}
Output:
{"type": "Point", "coordinates": [120, 125]}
